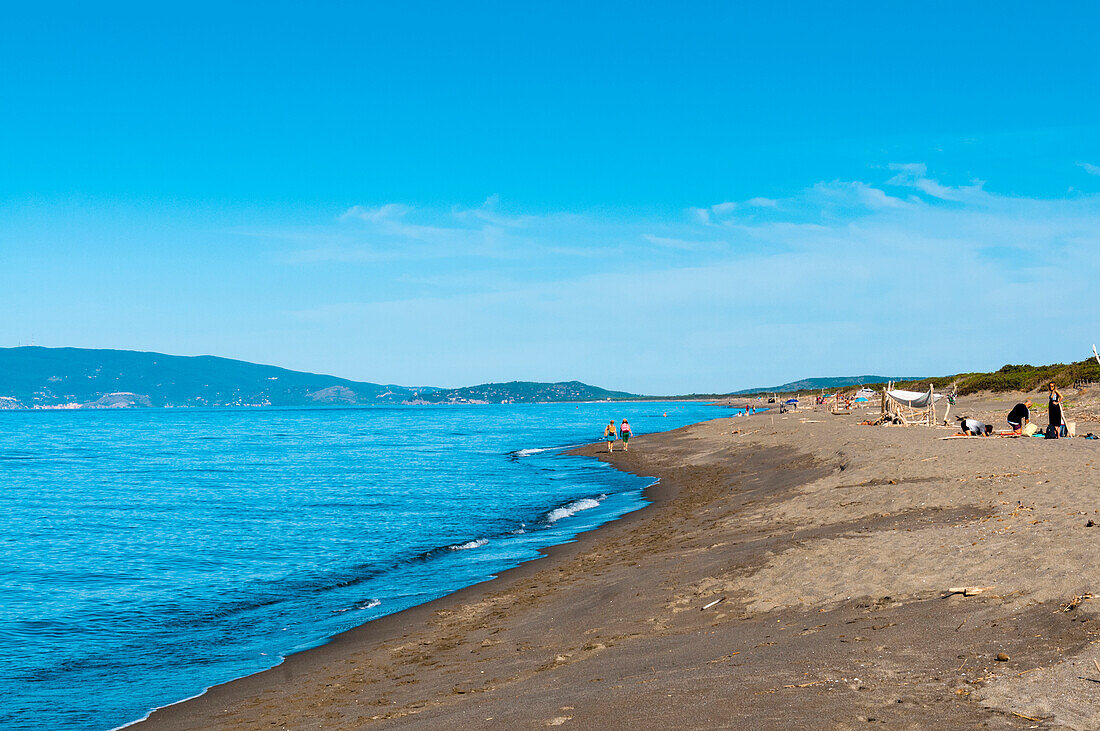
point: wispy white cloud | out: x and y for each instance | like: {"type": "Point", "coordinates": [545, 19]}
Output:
{"type": "Point", "coordinates": [915, 175]}
{"type": "Point", "coordinates": [842, 257]}
{"type": "Point", "coordinates": [822, 215]}
{"type": "Point", "coordinates": [1090, 168]}
{"type": "Point", "coordinates": [681, 244]}
{"type": "Point", "coordinates": [853, 196]}
{"type": "Point", "coordinates": [387, 212]}
{"type": "Point", "coordinates": [700, 215]}
{"type": "Point", "coordinates": [912, 169]}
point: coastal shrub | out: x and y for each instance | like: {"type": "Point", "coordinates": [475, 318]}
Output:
{"type": "Point", "coordinates": [1023, 377]}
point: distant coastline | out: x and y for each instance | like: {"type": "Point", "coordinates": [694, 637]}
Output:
{"type": "Point", "coordinates": [39, 378]}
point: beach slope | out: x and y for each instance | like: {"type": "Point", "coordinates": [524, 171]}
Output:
{"type": "Point", "coordinates": [793, 570]}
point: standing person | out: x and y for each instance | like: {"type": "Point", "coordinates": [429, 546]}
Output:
{"type": "Point", "coordinates": [1020, 416]}
{"type": "Point", "coordinates": [624, 434]}
{"type": "Point", "coordinates": [609, 435]}
{"type": "Point", "coordinates": [1054, 412]}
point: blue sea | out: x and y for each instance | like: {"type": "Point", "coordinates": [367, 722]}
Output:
{"type": "Point", "coordinates": [149, 554]}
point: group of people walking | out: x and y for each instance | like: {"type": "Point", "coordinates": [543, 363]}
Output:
{"type": "Point", "coordinates": [623, 433]}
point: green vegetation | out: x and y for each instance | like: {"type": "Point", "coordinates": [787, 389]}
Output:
{"type": "Point", "coordinates": [36, 376]}
{"type": "Point", "coordinates": [829, 384]}
{"type": "Point", "coordinates": [1013, 378]}
{"type": "Point", "coordinates": [39, 377]}
{"type": "Point", "coordinates": [1008, 378]}
{"type": "Point", "coordinates": [521, 392]}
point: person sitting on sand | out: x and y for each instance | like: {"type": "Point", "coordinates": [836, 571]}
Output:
{"type": "Point", "coordinates": [1020, 416]}
{"type": "Point", "coordinates": [609, 435]}
{"type": "Point", "coordinates": [973, 427]}
{"type": "Point", "coordinates": [624, 434]}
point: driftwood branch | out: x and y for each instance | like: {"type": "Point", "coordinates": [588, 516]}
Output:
{"type": "Point", "coordinates": [968, 590]}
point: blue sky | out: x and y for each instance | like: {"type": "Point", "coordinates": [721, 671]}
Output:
{"type": "Point", "coordinates": [641, 196]}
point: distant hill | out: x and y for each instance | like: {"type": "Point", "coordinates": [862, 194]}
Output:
{"type": "Point", "coordinates": [82, 378]}
{"type": "Point", "coordinates": [520, 392]}
{"type": "Point", "coordinates": [36, 377]}
{"type": "Point", "coordinates": [816, 384]}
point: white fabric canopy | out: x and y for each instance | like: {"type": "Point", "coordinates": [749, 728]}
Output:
{"type": "Point", "coordinates": [915, 399]}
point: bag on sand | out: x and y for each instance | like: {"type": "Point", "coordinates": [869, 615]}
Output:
{"type": "Point", "coordinates": [1052, 432]}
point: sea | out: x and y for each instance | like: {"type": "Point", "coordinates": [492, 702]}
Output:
{"type": "Point", "coordinates": [149, 554]}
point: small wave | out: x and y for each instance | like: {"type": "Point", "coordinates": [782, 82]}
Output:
{"type": "Point", "coordinates": [478, 543]}
{"type": "Point", "coordinates": [369, 604]}
{"type": "Point", "coordinates": [573, 508]}
{"type": "Point", "coordinates": [528, 452]}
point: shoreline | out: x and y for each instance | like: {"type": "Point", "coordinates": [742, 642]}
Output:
{"type": "Point", "coordinates": [789, 570]}
{"type": "Point", "coordinates": [382, 627]}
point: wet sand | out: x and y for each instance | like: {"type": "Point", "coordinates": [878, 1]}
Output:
{"type": "Point", "coordinates": [828, 547]}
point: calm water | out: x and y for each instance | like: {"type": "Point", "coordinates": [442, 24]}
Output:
{"type": "Point", "coordinates": [147, 555]}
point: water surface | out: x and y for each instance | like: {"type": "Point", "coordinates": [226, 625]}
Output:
{"type": "Point", "coordinates": [149, 554]}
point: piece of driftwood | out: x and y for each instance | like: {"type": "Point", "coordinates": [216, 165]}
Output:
{"type": "Point", "coordinates": [967, 590]}
{"type": "Point", "coordinates": [1074, 603]}
{"type": "Point", "coordinates": [716, 601]}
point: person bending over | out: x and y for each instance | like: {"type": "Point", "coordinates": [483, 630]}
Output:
{"type": "Point", "coordinates": [973, 427]}
{"type": "Point", "coordinates": [1020, 416]}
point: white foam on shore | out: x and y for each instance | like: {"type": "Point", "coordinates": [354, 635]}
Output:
{"type": "Point", "coordinates": [527, 452]}
{"type": "Point", "coordinates": [370, 604]}
{"type": "Point", "coordinates": [471, 544]}
{"type": "Point", "coordinates": [573, 508]}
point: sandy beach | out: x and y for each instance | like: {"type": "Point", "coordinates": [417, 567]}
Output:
{"type": "Point", "coordinates": [793, 570]}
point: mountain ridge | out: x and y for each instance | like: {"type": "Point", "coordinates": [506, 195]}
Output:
{"type": "Point", "coordinates": [76, 378]}
{"type": "Point", "coordinates": [814, 384]}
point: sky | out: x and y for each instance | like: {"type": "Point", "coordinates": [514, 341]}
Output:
{"type": "Point", "coordinates": [658, 198]}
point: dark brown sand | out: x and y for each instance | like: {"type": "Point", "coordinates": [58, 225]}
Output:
{"type": "Point", "coordinates": [830, 547]}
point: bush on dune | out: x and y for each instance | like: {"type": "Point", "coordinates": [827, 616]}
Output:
{"type": "Point", "coordinates": [1015, 378]}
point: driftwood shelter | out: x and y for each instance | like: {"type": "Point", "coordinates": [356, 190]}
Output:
{"type": "Point", "coordinates": [909, 407]}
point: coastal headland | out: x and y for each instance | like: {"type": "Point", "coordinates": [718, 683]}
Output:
{"type": "Point", "coordinates": [794, 569]}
